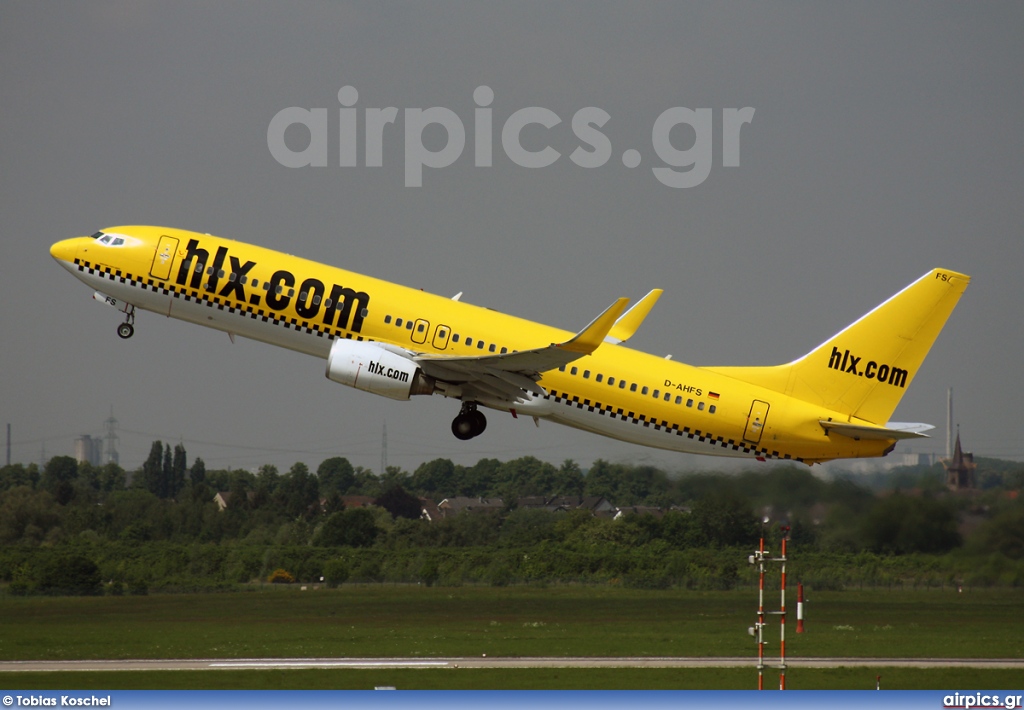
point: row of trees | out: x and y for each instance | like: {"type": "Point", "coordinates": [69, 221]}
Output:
{"type": "Point", "coordinates": [66, 500]}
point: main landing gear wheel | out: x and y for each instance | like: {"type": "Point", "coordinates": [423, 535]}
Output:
{"type": "Point", "coordinates": [470, 422]}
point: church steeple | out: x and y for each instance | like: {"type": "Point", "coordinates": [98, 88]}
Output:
{"type": "Point", "coordinates": [960, 468]}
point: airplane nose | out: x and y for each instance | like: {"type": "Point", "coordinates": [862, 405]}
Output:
{"type": "Point", "coordinates": [66, 249]}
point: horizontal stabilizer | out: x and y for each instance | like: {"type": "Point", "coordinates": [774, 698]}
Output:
{"type": "Point", "coordinates": [892, 431]}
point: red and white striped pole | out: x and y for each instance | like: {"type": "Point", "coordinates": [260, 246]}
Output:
{"type": "Point", "coordinates": [782, 618]}
{"type": "Point", "coordinates": [800, 608]}
{"type": "Point", "coordinates": [760, 617]}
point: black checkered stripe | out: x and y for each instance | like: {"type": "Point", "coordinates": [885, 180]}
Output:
{"type": "Point", "coordinates": [662, 425]}
{"type": "Point", "coordinates": [222, 304]}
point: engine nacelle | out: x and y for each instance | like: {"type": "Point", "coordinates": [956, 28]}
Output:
{"type": "Point", "coordinates": [371, 368]}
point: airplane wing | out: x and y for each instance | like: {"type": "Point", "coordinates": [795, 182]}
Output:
{"type": "Point", "coordinates": [892, 430]}
{"type": "Point", "coordinates": [507, 377]}
{"type": "Point", "coordinates": [629, 321]}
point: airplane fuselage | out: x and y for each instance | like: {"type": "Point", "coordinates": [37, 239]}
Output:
{"type": "Point", "coordinates": [615, 391]}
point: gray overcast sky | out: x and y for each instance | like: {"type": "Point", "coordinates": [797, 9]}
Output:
{"type": "Point", "coordinates": [887, 140]}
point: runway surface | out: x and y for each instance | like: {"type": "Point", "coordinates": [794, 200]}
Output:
{"type": "Point", "coordinates": [501, 662]}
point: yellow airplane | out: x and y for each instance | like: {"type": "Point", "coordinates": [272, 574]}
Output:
{"type": "Point", "coordinates": [394, 341]}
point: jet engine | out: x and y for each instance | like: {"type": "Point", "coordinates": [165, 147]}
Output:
{"type": "Point", "coordinates": [369, 367]}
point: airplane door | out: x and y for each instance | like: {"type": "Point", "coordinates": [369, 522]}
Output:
{"type": "Point", "coordinates": [441, 335]}
{"type": "Point", "coordinates": [755, 421]}
{"type": "Point", "coordinates": [163, 258]}
{"type": "Point", "coordinates": [419, 331]}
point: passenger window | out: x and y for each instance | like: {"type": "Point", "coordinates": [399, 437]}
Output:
{"type": "Point", "coordinates": [679, 399]}
{"type": "Point", "coordinates": [611, 380]}
{"type": "Point", "coordinates": [599, 377]}
{"type": "Point", "coordinates": [387, 319]}
{"type": "Point", "coordinates": [232, 276]}
{"type": "Point", "coordinates": [327, 303]}
{"type": "Point", "coordinates": [574, 370]}
{"type": "Point", "coordinates": [442, 333]}
{"type": "Point", "coordinates": [291, 291]}
{"type": "Point", "coordinates": [420, 328]}
{"type": "Point", "coordinates": [644, 390]}
{"type": "Point", "coordinates": [562, 368]}
{"type": "Point", "coordinates": [668, 396]}
{"type": "Point", "coordinates": [493, 347]}
{"type": "Point", "coordinates": [632, 387]}
{"type": "Point", "coordinates": [712, 409]}
{"type": "Point", "coordinates": [469, 341]}
{"type": "Point", "coordinates": [279, 289]}
{"type": "Point", "coordinates": [220, 274]}
{"type": "Point", "coordinates": [408, 325]}
{"type": "Point", "coordinates": [586, 374]}
{"type": "Point", "coordinates": [455, 338]}
{"type": "Point", "coordinates": [479, 345]}
{"type": "Point", "coordinates": [689, 403]}
{"type": "Point", "coordinates": [504, 350]}
{"type": "Point", "coordinates": [622, 385]}
{"type": "Point", "coordinates": [398, 322]}
{"type": "Point", "coordinates": [700, 406]}
{"type": "Point", "coordinates": [656, 394]}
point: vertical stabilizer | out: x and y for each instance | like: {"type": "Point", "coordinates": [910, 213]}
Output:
{"type": "Point", "coordinates": [863, 370]}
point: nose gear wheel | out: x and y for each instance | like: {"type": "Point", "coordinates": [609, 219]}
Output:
{"type": "Point", "coordinates": [127, 329]}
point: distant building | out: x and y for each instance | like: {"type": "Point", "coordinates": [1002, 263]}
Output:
{"type": "Point", "coordinates": [223, 498]}
{"type": "Point", "coordinates": [873, 465]}
{"type": "Point", "coordinates": [597, 505]}
{"type": "Point", "coordinates": [87, 450]}
{"type": "Point", "coordinates": [429, 510]}
{"type": "Point", "coordinates": [622, 512]}
{"type": "Point", "coordinates": [959, 469]}
{"type": "Point", "coordinates": [458, 504]}
{"type": "Point", "coordinates": [357, 501]}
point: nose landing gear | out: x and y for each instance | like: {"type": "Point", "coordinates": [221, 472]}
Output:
{"type": "Point", "coordinates": [127, 329]}
{"type": "Point", "coordinates": [469, 423]}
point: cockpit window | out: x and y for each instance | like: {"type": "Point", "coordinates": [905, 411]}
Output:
{"type": "Point", "coordinates": [110, 240]}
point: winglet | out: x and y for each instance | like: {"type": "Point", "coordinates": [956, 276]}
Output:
{"type": "Point", "coordinates": [587, 340]}
{"type": "Point", "coordinates": [630, 321]}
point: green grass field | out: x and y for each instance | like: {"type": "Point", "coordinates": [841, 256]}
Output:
{"type": "Point", "coordinates": [417, 622]}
